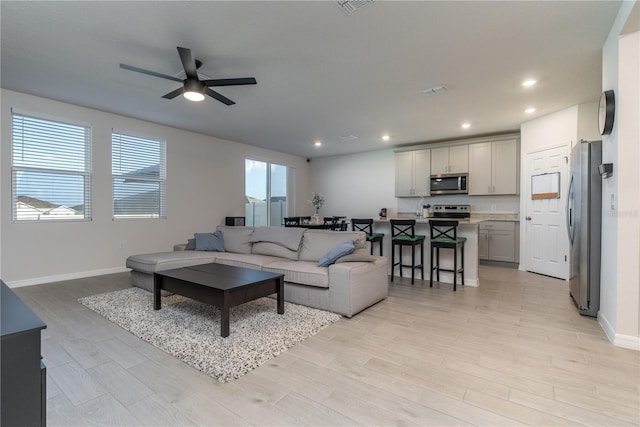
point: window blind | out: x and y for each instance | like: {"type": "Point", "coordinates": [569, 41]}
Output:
{"type": "Point", "coordinates": [50, 169]}
{"type": "Point", "coordinates": [139, 176]}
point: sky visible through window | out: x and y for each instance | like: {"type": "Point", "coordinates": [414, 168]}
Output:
{"type": "Point", "coordinates": [47, 187]}
{"type": "Point", "coordinates": [256, 180]}
{"type": "Point", "coordinates": [58, 150]}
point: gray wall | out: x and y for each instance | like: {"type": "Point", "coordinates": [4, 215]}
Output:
{"type": "Point", "coordinates": [620, 278]}
{"type": "Point", "coordinates": [205, 183]}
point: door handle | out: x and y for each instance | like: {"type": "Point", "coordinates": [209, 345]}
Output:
{"type": "Point", "coordinates": [569, 208]}
{"type": "Point", "coordinates": [528, 218]}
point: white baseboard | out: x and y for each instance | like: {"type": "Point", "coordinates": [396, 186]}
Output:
{"type": "Point", "coordinates": [627, 341]}
{"type": "Point", "coordinates": [61, 277]}
{"type": "Point", "coordinates": [606, 327]}
{"type": "Point", "coordinates": [619, 340]}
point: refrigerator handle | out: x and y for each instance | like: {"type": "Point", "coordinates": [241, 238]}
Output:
{"type": "Point", "coordinates": [570, 228]}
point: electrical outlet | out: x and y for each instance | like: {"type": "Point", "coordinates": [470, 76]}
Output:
{"type": "Point", "coordinates": [613, 202]}
{"type": "Point", "coordinates": [493, 208]}
{"type": "Point", "coordinates": [121, 244]}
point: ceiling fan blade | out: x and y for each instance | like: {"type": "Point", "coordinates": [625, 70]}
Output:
{"type": "Point", "coordinates": [188, 63]}
{"type": "Point", "coordinates": [230, 82]}
{"type": "Point", "coordinates": [219, 97]}
{"type": "Point", "coordinates": [151, 73]}
{"type": "Point", "coordinates": [174, 93]}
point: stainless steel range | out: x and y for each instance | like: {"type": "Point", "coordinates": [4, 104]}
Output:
{"type": "Point", "coordinates": [452, 211]}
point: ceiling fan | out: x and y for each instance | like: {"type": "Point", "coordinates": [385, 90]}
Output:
{"type": "Point", "coordinates": [193, 88]}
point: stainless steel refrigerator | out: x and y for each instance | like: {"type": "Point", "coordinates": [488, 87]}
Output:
{"type": "Point", "coordinates": [584, 219]}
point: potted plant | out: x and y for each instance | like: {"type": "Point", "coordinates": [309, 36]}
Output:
{"type": "Point", "coordinates": [316, 201]}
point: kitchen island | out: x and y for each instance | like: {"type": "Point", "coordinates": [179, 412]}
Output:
{"type": "Point", "coordinates": [466, 228]}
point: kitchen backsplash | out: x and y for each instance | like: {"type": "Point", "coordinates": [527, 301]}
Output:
{"type": "Point", "coordinates": [479, 204]}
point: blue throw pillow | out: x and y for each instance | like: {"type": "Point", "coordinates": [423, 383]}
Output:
{"type": "Point", "coordinates": [339, 251]}
{"type": "Point", "coordinates": [209, 241]}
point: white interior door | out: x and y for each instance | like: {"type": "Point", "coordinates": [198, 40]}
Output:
{"type": "Point", "coordinates": [546, 241]}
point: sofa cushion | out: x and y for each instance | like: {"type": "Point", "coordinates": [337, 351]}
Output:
{"type": "Point", "coordinates": [236, 239]}
{"type": "Point", "coordinates": [339, 251]}
{"type": "Point", "coordinates": [209, 241]}
{"type": "Point", "coordinates": [317, 243]}
{"type": "Point", "coordinates": [245, 260]}
{"type": "Point", "coordinates": [358, 255]}
{"type": "Point", "coordinates": [287, 237]}
{"type": "Point", "coordinates": [148, 263]}
{"type": "Point", "coordinates": [273, 249]}
{"type": "Point", "coordinates": [302, 272]}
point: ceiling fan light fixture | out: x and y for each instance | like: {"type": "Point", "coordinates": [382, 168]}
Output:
{"type": "Point", "coordinates": [193, 90]}
{"type": "Point", "coordinates": [193, 96]}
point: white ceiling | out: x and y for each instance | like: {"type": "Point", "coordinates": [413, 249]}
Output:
{"type": "Point", "coordinates": [321, 73]}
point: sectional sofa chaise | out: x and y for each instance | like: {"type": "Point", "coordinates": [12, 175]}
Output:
{"type": "Point", "coordinates": [347, 286]}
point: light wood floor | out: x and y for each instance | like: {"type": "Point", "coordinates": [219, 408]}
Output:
{"type": "Point", "coordinates": [511, 352]}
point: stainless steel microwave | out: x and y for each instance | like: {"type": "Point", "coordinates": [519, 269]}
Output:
{"type": "Point", "coordinates": [450, 184]}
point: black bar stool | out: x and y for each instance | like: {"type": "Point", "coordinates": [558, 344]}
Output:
{"type": "Point", "coordinates": [444, 234]}
{"type": "Point", "coordinates": [292, 221]}
{"type": "Point", "coordinates": [403, 234]}
{"type": "Point", "coordinates": [327, 221]}
{"type": "Point", "coordinates": [304, 220]}
{"type": "Point", "coordinates": [366, 226]}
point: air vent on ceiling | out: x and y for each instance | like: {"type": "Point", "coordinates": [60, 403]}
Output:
{"type": "Point", "coordinates": [348, 137]}
{"type": "Point", "coordinates": [435, 90]}
{"type": "Point", "coordinates": [350, 6]}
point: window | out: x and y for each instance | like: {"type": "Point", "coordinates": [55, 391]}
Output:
{"type": "Point", "coordinates": [139, 177]}
{"type": "Point", "coordinates": [50, 169]}
{"type": "Point", "coordinates": [265, 182]}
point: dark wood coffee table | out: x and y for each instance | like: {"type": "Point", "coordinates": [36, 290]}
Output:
{"type": "Point", "coordinates": [220, 285]}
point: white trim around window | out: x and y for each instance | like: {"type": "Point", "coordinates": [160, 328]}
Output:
{"type": "Point", "coordinates": [50, 169]}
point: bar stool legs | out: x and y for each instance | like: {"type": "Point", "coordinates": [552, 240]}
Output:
{"type": "Point", "coordinates": [444, 235]}
{"type": "Point", "coordinates": [435, 265]}
{"type": "Point", "coordinates": [413, 265]}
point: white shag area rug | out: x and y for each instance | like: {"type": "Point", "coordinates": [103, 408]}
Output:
{"type": "Point", "coordinates": [190, 330]}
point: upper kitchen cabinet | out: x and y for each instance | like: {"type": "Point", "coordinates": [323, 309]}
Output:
{"type": "Point", "coordinates": [493, 168]}
{"type": "Point", "coordinates": [453, 159]}
{"type": "Point", "coordinates": [412, 173]}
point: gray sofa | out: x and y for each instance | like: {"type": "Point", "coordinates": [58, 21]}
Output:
{"type": "Point", "coordinates": [353, 283]}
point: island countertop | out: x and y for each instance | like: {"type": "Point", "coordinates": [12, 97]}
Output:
{"type": "Point", "coordinates": [475, 218]}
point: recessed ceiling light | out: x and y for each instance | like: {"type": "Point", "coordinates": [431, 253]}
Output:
{"type": "Point", "coordinates": [318, 144]}
{"type": "Point", "coordinates": [466, 125]}
{"type": "Point", "coordinates": [529, 82]}
{"type": "Point", "coordinates": [530, 110]}
{"type": "Point", "coordinates": [386, 137]}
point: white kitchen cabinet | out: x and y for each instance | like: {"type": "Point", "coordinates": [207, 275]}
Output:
{"type": "Point", "coordinates": [493, 168]}
{"type": "Point", "coordinates": [412, 173]}
{"type": "Point", "coordinates": [483, 244]}
{"type": "Point", "coordinates": [498, 241]}
{"type": "Point", "coordinates": [453, 159]}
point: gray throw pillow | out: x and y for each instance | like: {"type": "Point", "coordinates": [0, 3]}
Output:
{"type": "Point", "coordinates": [209, 241]}
{"type": "Point", "coordinates": [339, 251]}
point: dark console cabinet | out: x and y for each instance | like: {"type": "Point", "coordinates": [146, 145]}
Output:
{"type": "Point", "coordinates": [234, 221]}
{"type": "Point", "coordinates": [23, 375]}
